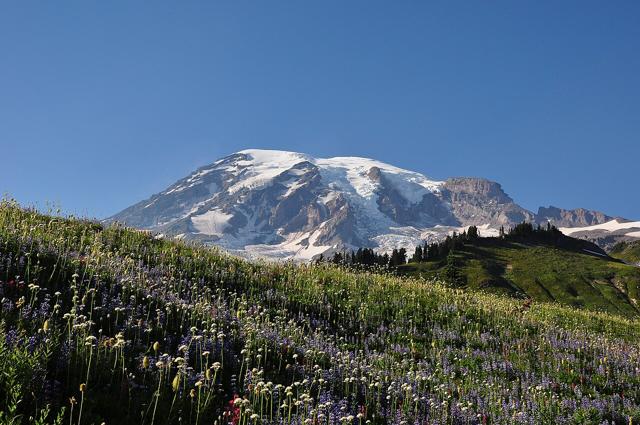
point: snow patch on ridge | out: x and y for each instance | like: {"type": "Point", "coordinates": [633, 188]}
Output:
{"type": "Point", "coordinates": [299, 246]}
{"type": "Point", "coordinates": [212, 223]}
{"type": "Point", "coordinates": [609, 226]}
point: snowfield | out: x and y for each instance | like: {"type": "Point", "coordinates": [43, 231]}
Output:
{"type": "Point", "coordinates": [609, 226]}
{"type": "Point", "coordinates": [212, 223]}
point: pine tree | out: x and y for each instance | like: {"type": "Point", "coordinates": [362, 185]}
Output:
{"type": "Point", "coordinates": [472, 233]}
{"type": "Point", "coordinates": [451, 273]}
{"type": "Point", "coordinates": [417, 255]}
{"type": "Point", "coordinates": [425, 252]}
{"type": "Point", "coordinates": [394, 258]}
{"type": "Point", "coordinates": [337, 258]}
{"type": "Point", "coordinates": [402, 256]}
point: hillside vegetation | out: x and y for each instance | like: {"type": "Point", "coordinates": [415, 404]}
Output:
{"type": "Point", "coordinates": [627, 251]}
{"type": "Point", "coordinates": [111, 325]}
{"type": "Point", "coordinates": [541, 272]}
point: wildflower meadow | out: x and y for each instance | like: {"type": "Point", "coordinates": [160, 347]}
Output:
{"type": "Point", "coordinates": [104, 324]}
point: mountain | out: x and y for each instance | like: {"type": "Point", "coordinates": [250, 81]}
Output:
{"type": "Point", "coordinates": [572, 218]}
{"type": "Point", "coordinates": [280, 204]}
{"type": "Point", "coordinates": [483, 203]}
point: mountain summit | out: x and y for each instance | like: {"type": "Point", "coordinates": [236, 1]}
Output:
{"type": "Point", "coordinates": [280, 204]}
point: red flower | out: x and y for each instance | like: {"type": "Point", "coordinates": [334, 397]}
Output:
{"type": "Point", "coordinates": [233, 410]}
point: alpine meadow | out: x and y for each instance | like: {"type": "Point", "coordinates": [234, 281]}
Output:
{"type": "Point", "coordinates": [169, 332]}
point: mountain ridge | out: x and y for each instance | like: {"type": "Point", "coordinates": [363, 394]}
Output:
{"type": "Point", "coordinates": [280, 204]}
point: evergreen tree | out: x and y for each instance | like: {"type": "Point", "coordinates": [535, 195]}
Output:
{"type": "Point", "coordinates": [472, 233]}
{"type": "Point", "coordinates": [425, 252]}
{"type": "Point", "coordinates": [417, 255]}
{"type": "Point", "coordinates": [451, 272]}
{"type": "Point", "coordinates": [337, 258]}
{"type": "Point", "coordinates": [402, 256]}
{"type": "Point", "coordinates": [394, 258]}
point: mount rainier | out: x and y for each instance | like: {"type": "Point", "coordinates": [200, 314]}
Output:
{"type": "Point", "coordinates": [277, 204]}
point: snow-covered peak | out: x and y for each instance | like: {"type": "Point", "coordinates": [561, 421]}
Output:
{"type": "Point", "coordinates": [285, 204]}
{"type": "Point", "coordinates": [263, 165]}
{"type": "Point", "coordinates": [272, 157]}
{"type": "Point", "coordinates": [282, 159]}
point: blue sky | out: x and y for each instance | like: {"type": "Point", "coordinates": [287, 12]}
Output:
{"type": "Point", "coordinates": [104, 103]}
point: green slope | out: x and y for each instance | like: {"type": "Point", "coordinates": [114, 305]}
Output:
{"type": "Point", "coordinates": [627, 251]}
{"type": "Point", "coordinates": [110, 325]}
{"type": "Point", "coordinates": [543, 273]}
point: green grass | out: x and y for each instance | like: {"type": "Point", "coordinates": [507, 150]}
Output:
{"type": "Point", "coordinates": [544, 274]}
{"type": "Point", "coordinates": [627, 251]}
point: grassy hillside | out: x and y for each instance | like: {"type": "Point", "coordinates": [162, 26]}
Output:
{"type": "Point", "coordinates": [544, 273]}
{"type": "Point", "coordinates": [627, 251]}
{"type": "Point", "coordinates": [110, 325]}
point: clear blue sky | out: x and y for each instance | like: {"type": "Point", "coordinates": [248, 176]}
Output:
{"type": "Point", "coordinates": [103, 103]}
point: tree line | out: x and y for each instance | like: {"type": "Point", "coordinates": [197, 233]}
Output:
{"type": "Point", "coordinates": [442, 249]}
